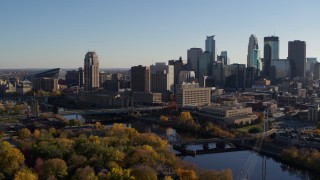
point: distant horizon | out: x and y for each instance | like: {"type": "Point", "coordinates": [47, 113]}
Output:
{"type": "Point", "coordinates": [125, 33]}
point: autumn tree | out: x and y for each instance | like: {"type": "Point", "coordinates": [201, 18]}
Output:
{"type": "Point", "coordinates": [55, 167]}
{"type": "Point", "coordinates": [98, 125]}
{"type": "Point", "coordinates": [24, 133]}
{"type": "Point", "coordinates": [216, 175]}
{"type": "Point", "coordinates": [24, 174]}
{"type": "Point", "coordinates": [164, 118]}
{"type": "Point", "coordinates": [11, 159]}
{"type": "Point", "coordinates": [119, 173]}
{"type": "Point", "coordinates": [185, 174]}
{"type": "Point", "coordinates": [36, 134]}
{"type": "Point", "coordinates": [144, 173]}
{"type": "Point", "coordinates": [86, 173]}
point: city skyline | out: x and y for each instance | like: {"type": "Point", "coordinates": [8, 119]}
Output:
{"type": "Point", "coordinates": [125, 34]}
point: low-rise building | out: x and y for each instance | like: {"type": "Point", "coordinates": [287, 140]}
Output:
{"type": "Point", "coordinates": [147, 98]}
{"type": "Point", "coordinates": [190, 94]}
{"type": "Point", "coordinates": [228, 114]}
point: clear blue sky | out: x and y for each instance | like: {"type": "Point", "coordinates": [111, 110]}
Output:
{"type": "Point", "coordinates": [131, 32]}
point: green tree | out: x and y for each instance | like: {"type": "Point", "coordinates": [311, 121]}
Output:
{"type": "Point", "coordinates": [55, 167]}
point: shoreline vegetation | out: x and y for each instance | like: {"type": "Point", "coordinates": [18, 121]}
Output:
{"type": "Point", "coordinates": [117, 153]}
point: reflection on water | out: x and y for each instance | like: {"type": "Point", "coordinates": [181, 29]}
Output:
{"type": "Point", "coordinates": [228, 160]}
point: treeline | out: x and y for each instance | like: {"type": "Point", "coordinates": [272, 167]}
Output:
{"type": "Point", "coordinates": [121, 153]}
{"type": "Point", "coordinates": [187, 122]}
{"type": "Point", "coordinates": [308, 158]}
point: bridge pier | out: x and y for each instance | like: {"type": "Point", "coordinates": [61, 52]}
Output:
{"type": "Point", "coordinates": [205, 146]}
{"type": "Point", "coordinates": [221, 145]}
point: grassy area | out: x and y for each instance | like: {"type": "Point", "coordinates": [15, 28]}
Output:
{"type": "Point", "coordinates": [246, 128]}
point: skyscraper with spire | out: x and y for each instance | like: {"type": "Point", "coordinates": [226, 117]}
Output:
{"type": "Point", "coordinates": [91, 71]}
{"type": "Point", "coordinates": [253, 57]}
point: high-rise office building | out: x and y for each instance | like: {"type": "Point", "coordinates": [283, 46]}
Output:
{"type": "Point", "coordinates": [224, 57]}
{"type": "Point", "coordinates": [178, 67]}
{"type": "Point", "coordinates": [205, 66]}
{"type": "Point", "coordinates": [316, 74]}
{"type": "Point", "coordinates": [218, 74]}
{"type": "Point", "coordinates": [186, 77]}
{"type": "Point", "coordinates": [271, 51]}
{"type": "Point", "coordinates": [211, 46]}
{"type": "Point", "coordinates": [194, 55]}
{"type": "Point", "coordinates": [280, 68]}
{"type": "Point", "coordinates": [236, 77]}
{"type": "Point", "coordinates": [91, 71]}
{"type": "Point", "coordinates": [140, 79]}
{"type": "Point", "coordinates": [162, 77]}
{"type": "Point", "coordinates": [310, 66]}
{"type": "Point", "coordinates": [253, 57]}
{"type": "Point", "coordinates": [297, 58]}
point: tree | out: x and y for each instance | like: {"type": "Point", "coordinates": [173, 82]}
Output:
{"type": "Point", "coordinates": [24, 133]}
{"type": "Point", "coordinates": [164, 118]}
{"type": "Point", "coordinates": [74, 122]}
{"type": "Point", "coordinates": [36, 134]}
{"type": "Point", "coordinates": [119, 173]}
{"type": "Point", "coordinates": [55, 167]}
{"type": "Point", "coordinates": [38, 165]}
{"type": "Point", "coordinates": [98, 125]}
{"type": "Point", "coordinates": [144, 173]}
{"type": "Point", "coordinates": [11, 159]}
{"type": "Point", "coordinates": [216, 175]}
{"type": "Point", "coordinates": [25, 173]}
{"type": "Point", "coordinates": [86, 173]}
{"type": "Point", "coordinates": [53, 131]}
{"type": "Point", "coordinates": [185, 174]}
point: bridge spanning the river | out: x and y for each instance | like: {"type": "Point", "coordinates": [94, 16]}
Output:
{"type": "Point", "coordinates": [111, 111]}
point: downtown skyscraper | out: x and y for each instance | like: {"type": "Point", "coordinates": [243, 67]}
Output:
{"type": "Point", "coordinates": [253, 57]}
{"type": "Point", "coordinates": [297, 58]}
{"type": "Point", "coordinates": [91, 71]}
{"type": "Point", "coordinates": [271, 52]}
{"type": "Point", "coordinates": [211, 46]}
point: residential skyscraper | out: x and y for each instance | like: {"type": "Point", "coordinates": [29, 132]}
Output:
{"type": "Point", "coordinates": [271, 51]}
{"type": "Point", "coordinates": [297, 58]}
{"type": "Point", "coordinates": [140, 79]}
{"type": "Point", "coordinates": [253, 57]}
{"type": "Point", "coordinates": [194, 55]}
{"type": "Point", "coordinates": [211, 46]}
{"type": "Point", "coordinates": [91, 71]}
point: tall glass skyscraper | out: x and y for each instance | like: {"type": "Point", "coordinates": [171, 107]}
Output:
{"type": "Point", "coordinates": [211, 46]}
{"type": "Point", "coordinates": [271, 52]}
{"type": "Point", "coordinates": [253, 57]}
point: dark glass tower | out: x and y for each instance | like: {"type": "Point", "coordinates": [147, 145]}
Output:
{"type": "Point", "coordinates": [271, 52]}
{"type": "Point", "coordinates": [297, 58]}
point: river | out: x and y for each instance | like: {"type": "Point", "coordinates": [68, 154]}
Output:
{"type": "Point", "coordinates": [229, 160]}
